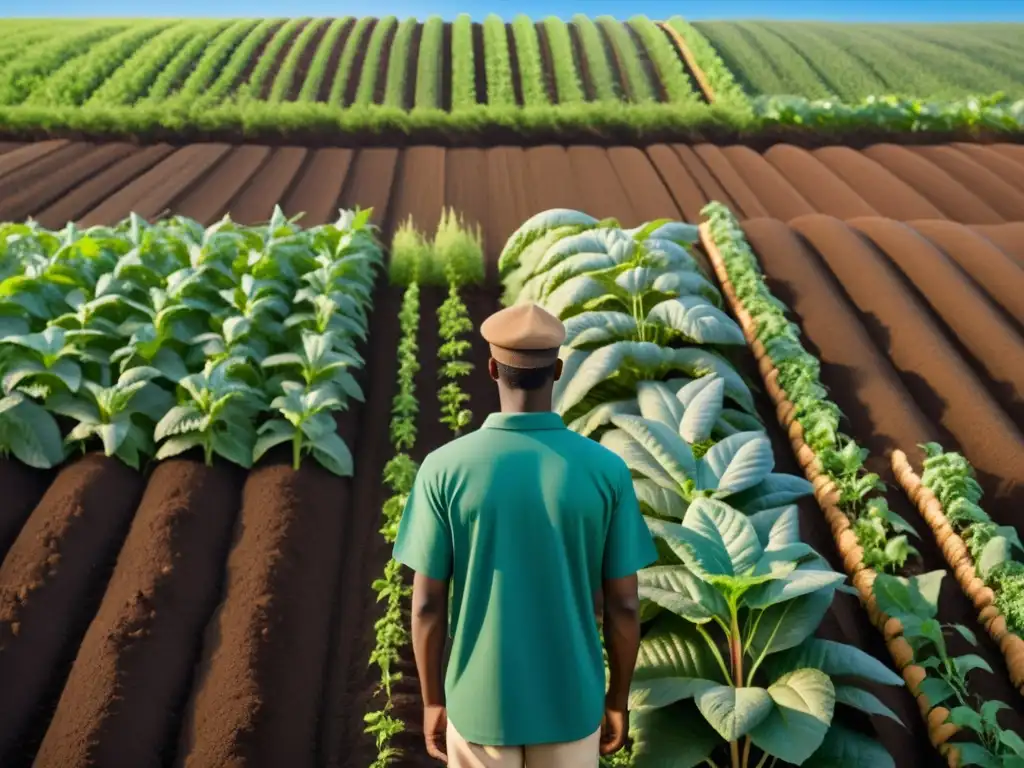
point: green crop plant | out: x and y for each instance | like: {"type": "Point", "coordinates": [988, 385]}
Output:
{"type": "Point", "coordinates": [76, 81]}
{"type": "Point", "coordinates": [405, 406]}
{"type": "Point", "coordinates": [563, 61]}
{"type": "Point", "coordinates": [398, 64]}
{"type": "Point", "coordinates": [310, 90]}
{"type": "Point", "coordinates": [531, 69]}
{"type": "Point", "coordinates": [726, 90]}
{"type": "Point", "coordinates": [346, 63]}
{"type": "Point", "coordinates": [914, 602]}
{"type": "Point", "coordinates": [215, 412]}
{"type": "Point", "coordinates": [371, 61]}
{"type": "Point", "coordinates": [996, 550]}
{"type": "Point", "coordinates": [730, 657]}
{"type": "Point", "coordinates": [463, 65]}
{"type": "Point", "coordinates": [131, 81]}
{"type": "Point", "coordinates": [883, 534]}
{"type": "Point", "coordinates": [428, 67]}
{"type": "Point", "coordinates": [120, 416]}
{"type": "Point", "coordinates": [411, 252]}
{"type": "Point", "coordinates": [284, 79]}
{"type": "Point", "coordinates": [190, 56]}
{"type": "Point", "coordinates": [641, 89]}
{"type": "Point", "coordinates": [606, 87]}
{"type": "Point", "coordinates": [666, 60]}
{"type": "Point", "coordinates": [303, 419]}
{"type": "Point", "coordinates": [221, 63]}
{"type": "Point", "coordinates": [85, 312]}
{"type": "Point", "coordinates": [267, 62]}
{"type": "Point", "coordinates": [500, 89]}
{"type": "Point", "coordinates": [459, 250]}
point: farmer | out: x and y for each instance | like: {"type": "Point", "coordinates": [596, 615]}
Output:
{"type": "Point", "coordinates": [530, 522]}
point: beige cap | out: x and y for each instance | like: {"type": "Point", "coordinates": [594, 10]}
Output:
{"type": "Point", "coordinates": [524, 336]}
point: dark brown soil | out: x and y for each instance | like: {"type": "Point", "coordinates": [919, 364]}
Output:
{"type": "Point", "coordinates": [22, 489]}
{"type": "Point", "coordinates": [331, 70]}
{"type": "Point", "coordinates": [51, 582]}
{"type": "Point", "coordinates": [302, 65]}
{"type": "Point", "coordinates": [380, 84]}
{"type": "Point", "coordinates": [412, 68]}
{"type": "Point", "coordinates": [124, 695]}
{"type": "Point", "coordinates": [479, 63]}
{"type": "Point", "coordinates": [258, 683]}
{"type": "Point", "coordinates": [445, 93]}
{"type": "Point", "coordinates": [513, 61]}
{"type": "Point", "coordinates": [547, 64]}
{"type": "Point", "coordinates": [583, 66]}
{"type": "Point", "coordinates": [356, 73]}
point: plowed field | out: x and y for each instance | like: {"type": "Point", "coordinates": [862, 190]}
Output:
{"type": "Point", "coordinates": [244, 640]}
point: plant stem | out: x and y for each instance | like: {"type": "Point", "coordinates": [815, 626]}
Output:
{"type": "Point", "coordinates": [736, 651]}
{"type": "Point", "coordinates": [297, 450]}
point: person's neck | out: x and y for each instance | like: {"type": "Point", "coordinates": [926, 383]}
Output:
{"type": "Point", "coordinates": [525, 402]}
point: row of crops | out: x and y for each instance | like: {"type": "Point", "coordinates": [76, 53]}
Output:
{"type": "Point", "coordinates": [149, 341]}
{"type": "Point", "coordinates": [288, 77]}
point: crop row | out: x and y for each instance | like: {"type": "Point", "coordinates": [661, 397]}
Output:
{"type": "Point", "coordinates": [728, 658]}
{"type": "Point", "coordinates": [871, 539]}
{"type": "Point", "coordinates": [454, 257]}
{"type": "Point", "coordinates": [853, 61]}
{"type": "Point", "coordinates": [152, 341]}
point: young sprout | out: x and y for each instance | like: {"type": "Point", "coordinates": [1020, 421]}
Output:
{"type": "Point", "coordinates": [47, 361]}
{"type": "Point", "coordinates": [304, 418]}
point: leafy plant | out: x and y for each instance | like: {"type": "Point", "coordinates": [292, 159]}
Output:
{"type": "Point", "coordinates": [304, 419]}
{"type": "Point", "coordinates": [454, 325]}
{"type": "Point", "coordinates": [29, 433]}
{"type": "Point", "coordinates": [120, 416]}
{"type": "Point", "coordinates": [995, 549]}
{"type": "Point", "coordinates": [914, 602]}
{"type": "Point", "coordinates": [730, 657]}
{"type": "Point", "coordinates": [215, 412]}
{"type": "Point", "coordinates": [799, 376]}
{"type": "Point", "coordinates": [320, 364]}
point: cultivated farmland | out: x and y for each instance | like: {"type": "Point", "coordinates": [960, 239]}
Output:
{"type": "Point", "coordinates": [222, 361]}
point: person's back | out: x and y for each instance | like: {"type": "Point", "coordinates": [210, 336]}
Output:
{"type": "Point", "coordinates": [530, 506]}
{"type": "Point", "coordinates": [528, 522]}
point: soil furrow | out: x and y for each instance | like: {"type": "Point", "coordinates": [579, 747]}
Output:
{"type": "Point", "coordinates": [331, 69]}
{"type": "Point", "coordinates": [208, 202]}
{"type": "Point", "coordinates": [253, 61]}
{"type": "Point", "coordinates": [548, 65]}
{"type": "Point", "coordinates": [507, 198]}
{"type": "Point", "coordinates": [983, 261]}
{"type": "Point", "coordinates": [776, 192]}
{"type": "Point", "coordinates": [643, 56]}
{"type": "Point", "coordinates": [513, 62]}
{"type": "Point", "coordinates": [1009, 170]}
{"type": "Point", "coordinates": [355, 73]}
{"type": "Point", "coordinates": [706, 182]}
{"type": "Point", "coordinates": [301, 70]}
{"type": "Point", "coordinates": [412, 68]}
{"type": "Point", "coordinates": [258, 196]}
{"type": "Point", "coordinates": [814, 181]}
{"type": "Point", "coordinates": [124, 695]}
{"type": "Point", "coordinates": [22, 489]}
{"type": "Point", "coordinates": [1003, 198]}
{"type": "Point", "coordinates": [44, 167]}
{"type": "Point", "coordinates": [642, 185]}
{"type": "Point", "coordinates": [552, 182]}
{"type": "Point", "coordinates": [684, 189]}
{"type": "Point", "coordinates": [26, 154]}
{"type": "Point", "coordinates": [954, 200]}
{"type": "Point", "coordinates": [882, 416]}
{"type": "Point", "coordinates": [445, 93]}
{"type": "Point", "coordinates": [1009, 238]}
{"type": "Point", "coordinates": [279, 59]}
{"type": "Point", "coordinates": [748, 204]}
{"type": "Point", "coordinates": [380, 84]}
{"type": "Point", "coordinates": [984, 335]}
{"type": "Point", "coordinates": [317, 192]}
{"type": "Point", "coordinates": [582, 65]}
{"type": "Point", "coordinates": [941, 383]}
{"type": "Point", "coordinates": [479, 63]}
{"type": "Point", "coordinates": [600, 192]}
{"type": "Point", "coordinates": [876, 185]}
{"type": "Point", "coordinates": [51, 581]}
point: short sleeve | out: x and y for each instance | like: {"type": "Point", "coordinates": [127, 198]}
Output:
{"type": "Point", "coordinates": [628, 546]}
{"type": "Point", "coordinates": [424, 541]}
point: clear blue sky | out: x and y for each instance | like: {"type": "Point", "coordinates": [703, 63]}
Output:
{"type": "Point", "coordinates": [824, 10]}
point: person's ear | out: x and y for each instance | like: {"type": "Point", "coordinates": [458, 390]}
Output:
{"type": "Point", "coordinates": [492, 368]}
{"type": "Point", "coordinates": [558, 369]}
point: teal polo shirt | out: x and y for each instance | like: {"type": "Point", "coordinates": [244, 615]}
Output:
{"type": "Point", "coordinates": [526, 518]}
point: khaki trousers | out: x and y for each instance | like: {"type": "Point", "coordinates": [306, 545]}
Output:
{"type": "Point", "coordinates": [573, 754]}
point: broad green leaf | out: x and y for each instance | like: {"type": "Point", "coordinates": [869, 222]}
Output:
{"type": "Point", "coordinates": [663, 501]}
{"type": "Point", "coordinates": [704, 399]}
{"type": "Point", "coordinates": [720, 523]}
{"type": "Point", "coordinates": [797, 724]}
{"type": "Point", "coordinates": [860, 699]}
{"type": "Point", "coordinates": [601, 416]}
{"type": "Point", "coordinates": [657, 402]}
{"type": "Point", "coordinates": [677, 590]}
{"type": "Point", "coordinates": [697, 319]}
{"type": "Point", "coordinates": [733, 712]}
{"type": "Point", "coordinates": [663, 444]}
{"type": "Point", "coordinates": [272, 433]}
{"type": "Point", "coordinates": [900, 598]}
{"type": "Point", "coordinates": [774, 490]}
{"type": "Point", "coordinates": [787, 625]}
{"type": "Point", "coordinates": [676, 736]}
{"type": "Point", "coordinates": [701, 554]}
{"type": "Point", "coordinates": [836, 660]}
{"type": "Point", "coordinates": [663, 691]}
{"type": "Point", "coordinates": [674, 648]}
{"type": "Point", "coordinates": [334, 455]}
{"type": "Point", "coordinates": [233, 447]}
{"type": "Point", "coordinates": [588, 328]}
{"type": "Point", "coordinates": [997, 550]}
{"type": "Point", "coordinates": [113, 434]}
{"type": "Point", "coordinates": [31, 435]}
{"type": "Point", "coordinates": [843, 748]}
{"type": "Point", "coordinates": [573, 294]}
{"type": "Point", "coordinates": [736, 463]}
{"type": "Point", "coordinates": [775, 527]}
{"type": "Point", "coordinates": [806, 579]}
{"type": "Point", "coordinates": [175, 446]}
{"type": "Point", "coordinates": [73, 406]}
{"type": "Point", "coordinates": [181, 418]}
{"type": "Point", "coordinates": [637, 458]}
